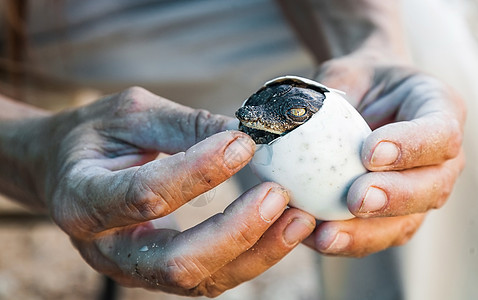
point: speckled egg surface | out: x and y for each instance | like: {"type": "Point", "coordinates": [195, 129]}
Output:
{"type": "Point", "coordinates": [318, 161]}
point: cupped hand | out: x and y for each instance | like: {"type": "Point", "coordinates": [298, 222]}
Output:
{"type": "Point", "coordinates": [104, 187]}
{"type": "Point", "coordinates": [414, 153]}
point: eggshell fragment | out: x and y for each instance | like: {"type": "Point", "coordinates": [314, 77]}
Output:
{"type": "Point", "coordinates": [318, 161]}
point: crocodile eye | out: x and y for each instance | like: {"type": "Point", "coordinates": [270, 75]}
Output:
{"type": "Point", "coordinates": [297, 112]}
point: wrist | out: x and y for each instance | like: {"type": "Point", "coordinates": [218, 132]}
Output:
{"type": "Point", "coordinates": [364, 27]}
{"type": "Point", "coordinates": [28, 141]}
{"type": "Point", "coordinates": [22, 160]}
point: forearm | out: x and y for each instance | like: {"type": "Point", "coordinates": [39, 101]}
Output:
{"type": "Point", "coordinates": [20, 148]}
{"type": "Point", "coordinates": [362, 25]}
{"type": "Point", "coordinates": [343, 27]}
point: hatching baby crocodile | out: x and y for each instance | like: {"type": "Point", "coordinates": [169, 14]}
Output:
{"type": "Point", "coordinates": [278, 108]}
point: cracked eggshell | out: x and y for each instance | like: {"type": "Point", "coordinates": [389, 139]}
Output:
{"type": "Point", "coordinates": [318, 161]}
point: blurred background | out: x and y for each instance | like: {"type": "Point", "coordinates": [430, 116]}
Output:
{"type": "Point", "coordinates": [213, 54]}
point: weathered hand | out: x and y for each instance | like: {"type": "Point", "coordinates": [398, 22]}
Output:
{"type": "Point", "coordinates": [414, 153]}
{"type": "Point", "coordinates": [103, 186]}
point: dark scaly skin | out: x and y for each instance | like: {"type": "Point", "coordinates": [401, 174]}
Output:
{"type": "Point", "coordinates": [268, 113]}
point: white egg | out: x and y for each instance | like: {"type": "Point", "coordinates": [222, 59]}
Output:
{"type": "Point", "coordinates": [318, 161]}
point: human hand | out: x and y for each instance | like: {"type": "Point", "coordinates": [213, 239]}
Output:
{"type": "Point", "coordinates": [103, 186]}
{"type": "Point", "coordinates": [414, 153]}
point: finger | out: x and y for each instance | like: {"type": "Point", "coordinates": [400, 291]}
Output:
{"type": "Point", "coordinates": [155, 123]}
{"type": "Point", "coordinates": [155, 189]}
{"type": "Point", "coordinates": [411, 191]}
{"type": "Point", "coordinates": [179, 262]}
{"type": "Point", "coordinates": [361, 237]}
{"type": "Point", "coordinates": [430, 131]}
{"type": "Point", "coordinates": [405, 145]}
{"type": "Point", "coordinates": [284, 235]}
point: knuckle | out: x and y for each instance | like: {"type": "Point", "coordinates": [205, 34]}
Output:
{"type": "Point", "coordinates": [455, 139]}
{"type": "Point", "coordinates": [142, 201]}
{"type": "Point", "coordinates": [444, 193]}
{"type": "Point", "coordinates": [182, 273]}
{"type": "Point", "coordinates": [133, 99]}
{"type": "Point", "coordinates": [445, 186]}
{"type": "Point", "coordinates": [205, 124]}
{"type": "Point", "coordinates": [134, 92]}
{"type": "Point", "coordinates": [137, 203]}
{"type": "Point", "coordinates": [209, 288]}
{"type": "Point", "coordinates": [407, 229]}
{"type": "Point", "coordinates": [200, 115]}
{"type": "Point", "coordinates": [461, 161]}
{"type": "Point", "coordinates": [244, 236]}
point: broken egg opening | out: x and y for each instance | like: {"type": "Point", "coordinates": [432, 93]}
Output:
{"type": "Point", "coordinates": [319, 160]}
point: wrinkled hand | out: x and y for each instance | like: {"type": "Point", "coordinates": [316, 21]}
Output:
{"type": "Point", "coordinates": [104, 186]}
{"type": "Point", "coordinates": [414, 151]}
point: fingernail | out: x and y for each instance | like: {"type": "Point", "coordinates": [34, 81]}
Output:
{"type": "Point", "coordinates": [238, 152]}
{"type": "Point", "coordinates": [272, 205]}
{"type": "Point", "coordinates": [375, 199]}
{"type": "Point", "coordinates": [340, 242]}
{"type": "Point", "coordinates": [386, 153]}
{"type": "Point", "coordinates": [297, 230]}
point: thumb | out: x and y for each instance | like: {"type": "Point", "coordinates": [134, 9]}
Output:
{"type": "Point", "coordinates": [183, 127]}
{"type": "Point", "coordinates": [154, 123]}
